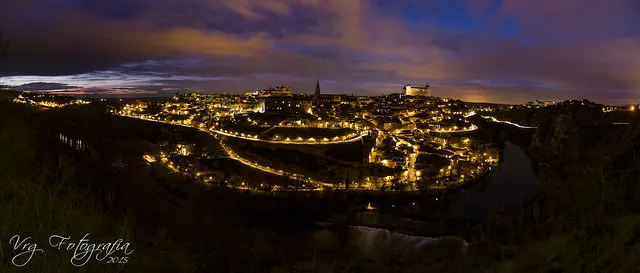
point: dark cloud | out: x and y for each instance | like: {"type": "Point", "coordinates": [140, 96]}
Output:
{"type": "Point", "coordinates": [39, 86]}
{"type": "Point", "coordinates": [575, 20]}
{"type": "Point", "coordinates": [357, 46]}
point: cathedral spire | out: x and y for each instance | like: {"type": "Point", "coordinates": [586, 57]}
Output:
{"type": "Point", "coordinates": [316, 95]}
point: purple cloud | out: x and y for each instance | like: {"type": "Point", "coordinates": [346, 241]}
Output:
{"type": "Point", "coordinates": [560, 48]}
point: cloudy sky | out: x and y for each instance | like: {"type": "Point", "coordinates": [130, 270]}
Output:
{"type": "Point", "coordinates": [477, 50]}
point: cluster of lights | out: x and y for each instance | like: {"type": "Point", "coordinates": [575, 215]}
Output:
{"type": "Point", "coordinates": [410, 173]}
{"type": "Point", "coordinates": [49, 104]}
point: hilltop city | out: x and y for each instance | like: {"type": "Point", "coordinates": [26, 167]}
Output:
{"type": "Point", "coordinates": [409, 141]}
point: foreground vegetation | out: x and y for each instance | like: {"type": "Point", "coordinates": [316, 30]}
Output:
{"type": "Point", "coordinates": [40, 197]}
{"type": "Point", "coordinates": [585, 217]}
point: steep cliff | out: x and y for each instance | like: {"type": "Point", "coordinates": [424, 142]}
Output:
{"type": "Point", "coordinates": [588, 169]}
{"type": "Point", "coordinates": [586, 215]}
{"type": "Point", "coordinates": [575, 148]}
{"type": "Point", "coordinates": [564, 132]}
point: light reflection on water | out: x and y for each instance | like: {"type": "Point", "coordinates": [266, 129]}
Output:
{"type": "Point", "coordinates": [511, 184]}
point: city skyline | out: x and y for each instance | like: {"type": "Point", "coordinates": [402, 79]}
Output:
{"type": "Point", "coordinates": [480, 51]}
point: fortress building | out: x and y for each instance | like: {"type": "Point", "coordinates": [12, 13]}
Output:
{"type": "Point", "coordinates": [416, 91]}
{"type": "Point", "coordinates": [278, 91]}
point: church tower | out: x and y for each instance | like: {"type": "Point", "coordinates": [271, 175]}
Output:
{"type": "Point", "coordinates": [316, 95]}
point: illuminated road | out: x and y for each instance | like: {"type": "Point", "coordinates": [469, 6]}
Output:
{"type": "Point", "coordinates": [410, 163]}
{"type": "Point", "coordinates": [257, 166]}
{"type": "Point", "coordinates": [470, 114]}
{"type": "Point", "coordinates": [473, 113]}
{"type": "Point", "coordinates": [500, 121]}
{"type": "Point", "coordinates": [473, 128]}
{"type": "Point", "coordinates": [510, 123]}
{"type": "Point", "coordinates": [246, 162]}
{"type": "Point", "coordinates": [292, 141]}
{"type": "Point", "coordinates": [298, 141]}
{"type": "Point", "coordinates": [528, 127]}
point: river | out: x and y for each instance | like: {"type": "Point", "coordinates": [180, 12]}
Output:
{"type": "Point", "coordinates": [509, 185]}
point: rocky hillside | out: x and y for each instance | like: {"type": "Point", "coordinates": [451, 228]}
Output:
{"type": "Point", "coordinates": [576, 137]}
{"type": "Point", "coordinates": [586, 215]}
{"type": "Point", "coordinates": [565, 131]}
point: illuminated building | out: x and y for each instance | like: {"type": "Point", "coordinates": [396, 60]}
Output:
{"type": "Point", "coordinates": [272, 92]}
{"type": "Point", "coordinates": [417, 91]}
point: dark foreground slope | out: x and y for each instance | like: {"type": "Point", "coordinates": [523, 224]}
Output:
{"type": "Point", "coordinates": [40, 197]}
{"type": "Point", "coordinates": [586, 215]}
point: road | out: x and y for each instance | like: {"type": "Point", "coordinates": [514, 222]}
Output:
{"type": "Point", "coordinates": [246, 162]}
{"type": "Point", "coordinates": [527, 127]}
{"type": "Point", "coordinates": [472, 113]}
{"type": "Point", "coordinates": [290, 142]}
{"type": "Point", "coordinates": [257, 166]}
{"type": "Point", "coordinates": [473, 128]}
{"type": "Point", "coordinates": [510, 123]}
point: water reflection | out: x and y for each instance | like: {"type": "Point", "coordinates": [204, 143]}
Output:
{"type": "Point", "coordinates": [508, 185]}
{"type": "Point", "coordinates": [511, 184]}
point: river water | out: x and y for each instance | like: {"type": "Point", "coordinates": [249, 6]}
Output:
{"type": "Point", "coordinates": [508, 185]}
{"type": "Point", "coordinates": [511, 184]}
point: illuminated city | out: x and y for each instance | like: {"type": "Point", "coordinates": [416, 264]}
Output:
{"type": "Point", "coordinates": [320, 136]}
{"type": "Point", "coordinates": [420, 142]}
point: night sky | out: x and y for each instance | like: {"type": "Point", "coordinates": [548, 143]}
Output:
{"type": "Point", "coordinates": [509, 51]}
